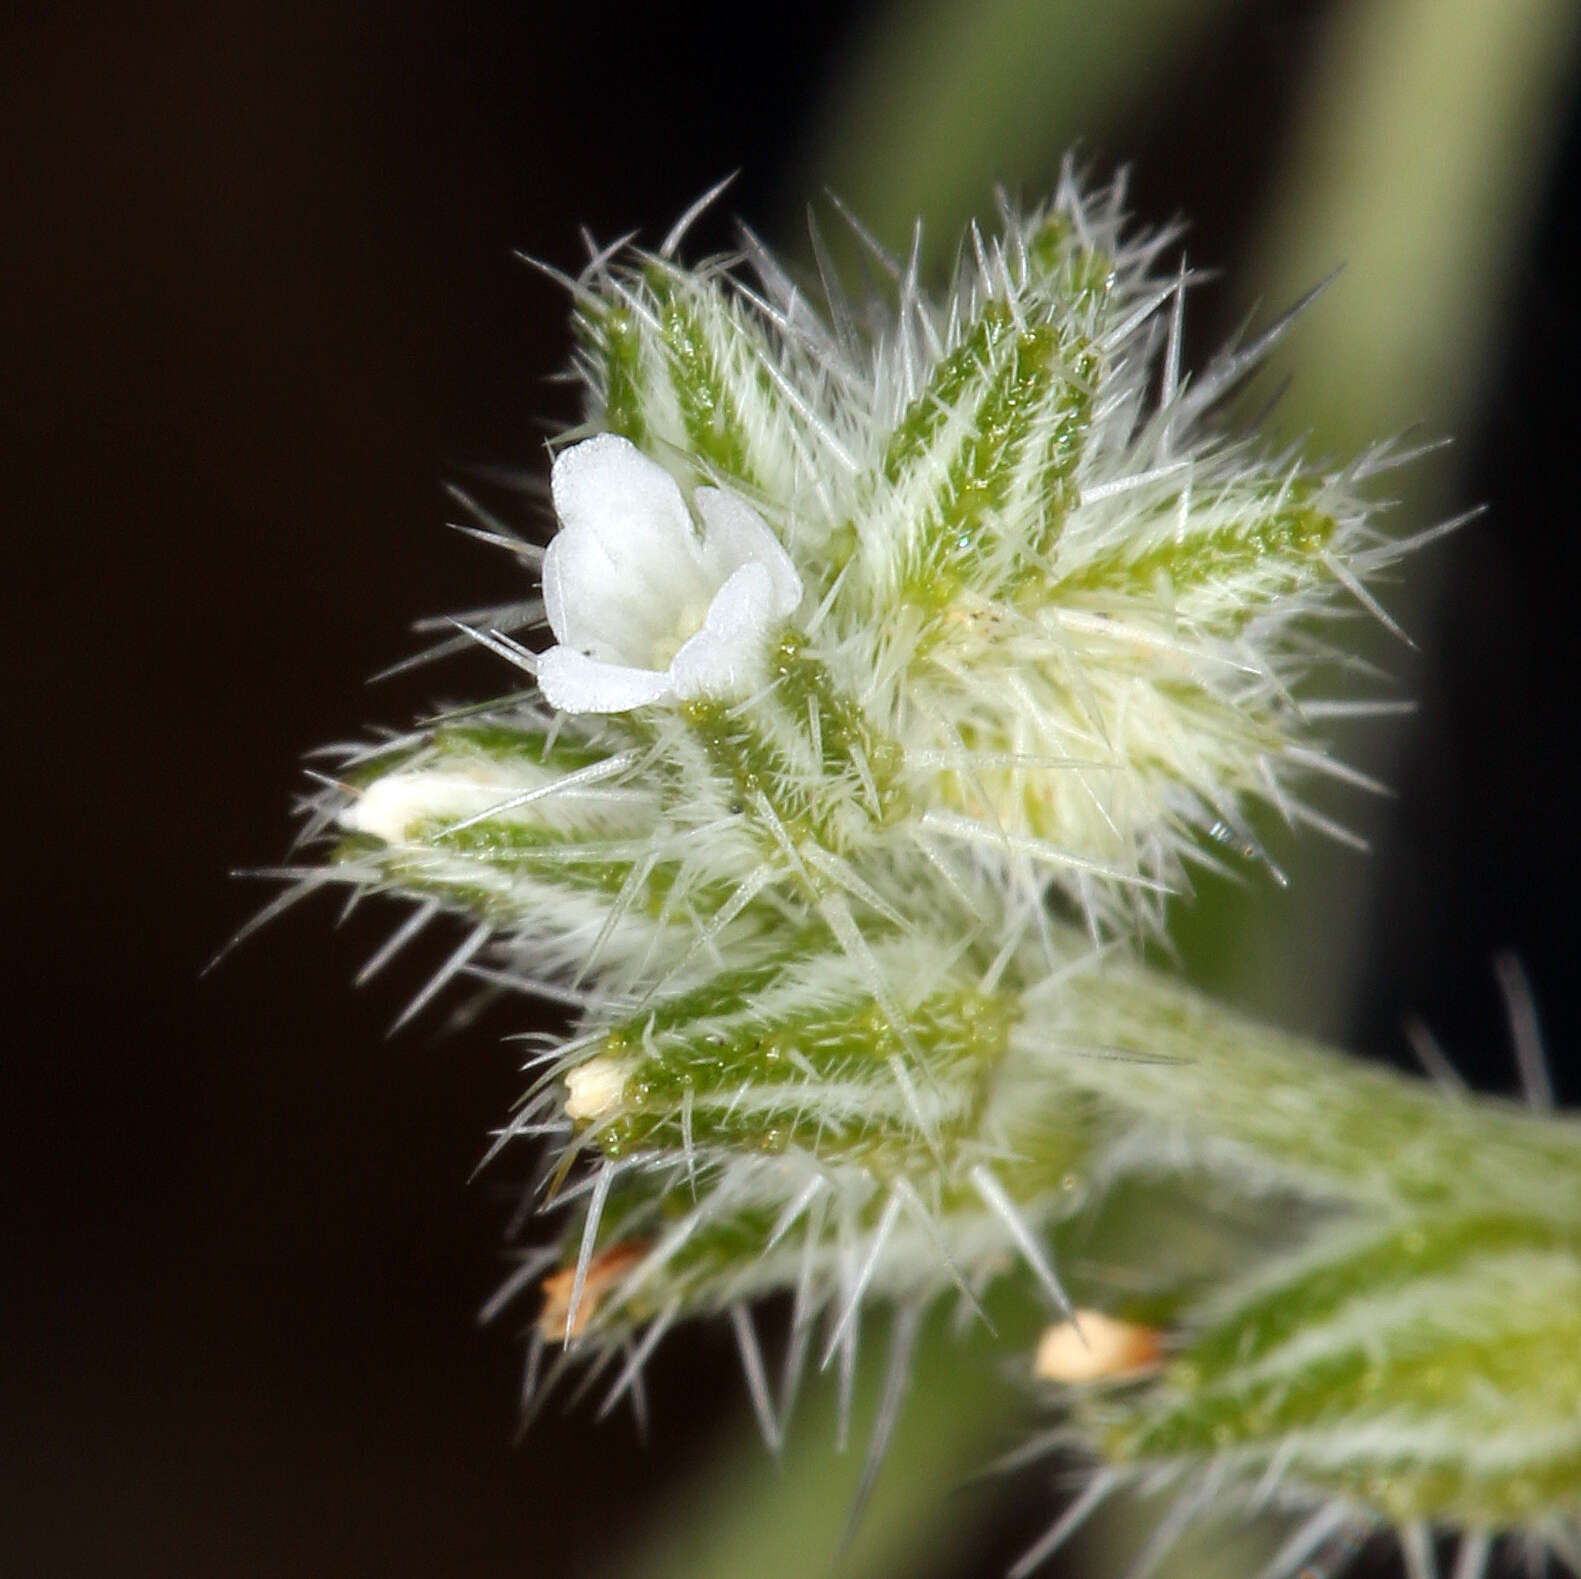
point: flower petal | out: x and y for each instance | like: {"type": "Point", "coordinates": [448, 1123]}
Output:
{"type": "Point", "coordinates": [725, 654]}
{"type": "Point", "coordinates": [575, 683]}
{"type": "Point", "coordinates": [734, 534]}
{"type": "Point", "coordinates": [626, 555]}
{"type": "Point", "coordinates": [554, 604]}
{"type": "Point", "coordinates": [593, 606]}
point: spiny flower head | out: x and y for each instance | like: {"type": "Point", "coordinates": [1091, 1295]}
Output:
{"type": "Point", "coordinates": [903, 654]}
{"type": "Point", "coordinates": [1413, 1377]}
{"type": "Point", "coordinates": [1406, 1362]}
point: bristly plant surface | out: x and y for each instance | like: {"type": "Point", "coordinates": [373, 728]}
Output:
{"type": "Point", "coordinates": [906, 656]}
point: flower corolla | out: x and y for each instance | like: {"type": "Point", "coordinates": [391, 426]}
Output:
{"type": "Point", "coordinates": [644, 606]}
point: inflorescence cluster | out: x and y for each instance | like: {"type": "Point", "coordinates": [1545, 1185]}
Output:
{"type": "Point", "coordinates": [903, 658]}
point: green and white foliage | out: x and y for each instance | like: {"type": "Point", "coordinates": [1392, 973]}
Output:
{"type": "Point", "coordinates": [1412, 1361]}
{"type": "Point", "coordinates": [903, 656]}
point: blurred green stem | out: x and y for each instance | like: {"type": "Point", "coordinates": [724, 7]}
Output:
{"type": "Point", "coordinates": [1415, 160]}
{"type": "Point", "coordinates": [945, 98]}
{"type": "Point", "coordinates": [783, 1520]}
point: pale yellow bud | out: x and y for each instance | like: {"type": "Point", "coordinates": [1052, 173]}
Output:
{"type": "Point", "coordinates": [1096, 1348]}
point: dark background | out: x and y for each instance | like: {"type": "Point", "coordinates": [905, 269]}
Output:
{"type": "Point", "coordinates": [260, 299]}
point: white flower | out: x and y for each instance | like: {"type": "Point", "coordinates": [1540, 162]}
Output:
{"type": "Point", "coordinates": [643, 605]}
